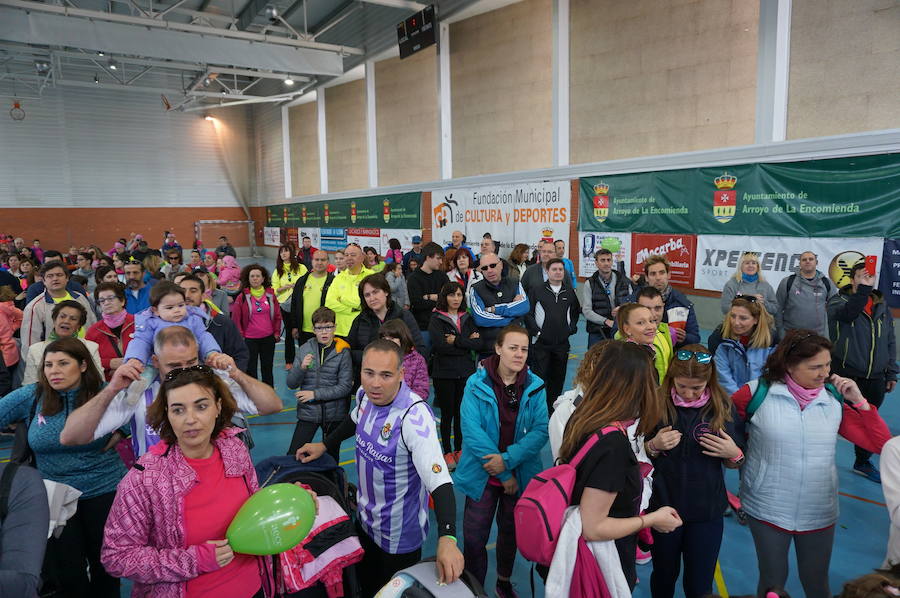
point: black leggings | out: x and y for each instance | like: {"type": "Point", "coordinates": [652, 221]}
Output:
{"type": "Point", "coordinates": [289, 326]}
{"type": "Point", "coordinates": [263, 350]}
{"type": "Point", "coordinates": [305, 431]}
{"type": "Point", "coordinates": [69, 556]}
{"type": "Point", "coordinates": [448, 393]}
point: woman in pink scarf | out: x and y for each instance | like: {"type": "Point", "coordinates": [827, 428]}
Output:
{"type": "Point", "coordinates": [230, 275]}
{"type": "Point", "coordinates": [209, 260]}
{"type": "Point", "coordinates": [115, 327]}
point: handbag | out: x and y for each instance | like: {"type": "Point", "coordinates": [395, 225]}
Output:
{"type": "Point", "coordinates": [21, 450]}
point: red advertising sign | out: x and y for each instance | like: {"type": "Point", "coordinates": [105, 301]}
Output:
{"type": "Point", "coordinates": [292, 237]}
{"type": "Point", "coordinates": [680, 250]}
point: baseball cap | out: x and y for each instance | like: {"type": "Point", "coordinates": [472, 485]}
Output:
{"type": "Point", "coordinates": [199, 270]}
{"type": "Point", "coordinates": [416, 239]}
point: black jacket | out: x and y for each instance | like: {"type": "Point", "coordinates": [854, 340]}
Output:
{"type": "Point", "coordinates": [602, 303]}
{"type": "Point", "coordinates": [297, 297]}
{"type": "Point", "coordinates": [223, 329]}
{"type": "Point", "coordinates": [365, 327]}
{"type": "Point", "coordinates": [554, 316]}
{"type": "Point", "coordinates": [453, 361]}
{"type": "Point", "coordinates": [864, 345]}
{"type": "Point", "coordinates": [419, 284]}
{"type": "Point", "coordinates": [534, 277]}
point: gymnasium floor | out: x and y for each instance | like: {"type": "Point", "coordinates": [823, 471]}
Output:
{"type": "Point", "coordinates": [861, 535]}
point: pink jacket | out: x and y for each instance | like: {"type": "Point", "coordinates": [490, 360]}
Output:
{"type": "Point", "coordinates": [230, 274]}
{"type": "Point", "coordinates": [415, 373]}
{"type": "Point", "coordinates": [10, 321]}
{"type": "Point", "coordinates": [144, 535]}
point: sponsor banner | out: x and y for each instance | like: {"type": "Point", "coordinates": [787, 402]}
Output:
{"type": "Point", "coordinates": [890, 272]}
{"type": "Point", "coordinates": [590, 243]}
{"type": "Point", "coordinates": [364, 237]}
{"type": "Point", "coordinates": [271, 236]}
{"type": "Point", "coordinates": [312, 233]}
{"type": "Point", "coordinates": [404, 235]}
{"type": "Point", "coordinates": [332, 239]}
{"type": "Point", "coordinates": [779, 257]}
{"type": "Point", "coordinates": [400, 210]}
{"type": "Point", "coordinates": [290, 236]}
{"type": "Point", "coordinates": [853, 197]}
{"type": "Point", "coordinates": [513, 214]}
{"type": "Point", "coordinates": [680, 250]}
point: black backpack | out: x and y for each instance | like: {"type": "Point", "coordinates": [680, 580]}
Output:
{"type": "Point", "coordinates": [793, 277]}
{"type": "Point", "coordinates": [6, 480]}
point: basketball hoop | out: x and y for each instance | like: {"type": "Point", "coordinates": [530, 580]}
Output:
{"type": "Point", "coordinates": [16, 113]}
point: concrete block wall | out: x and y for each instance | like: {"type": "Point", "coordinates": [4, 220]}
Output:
{"type": "Point", "coordinates": [345, 132]}
{"type": "Point", "coordinates": [649, 77]}
{"type": "Point", "coordinates": [303, 123]}
{"type": "Point", "coordinates": [845, 67]}
{"type": "Point", "coordinates": [501, 87]}
{"type": "Point", "coordinates": [407, 118]}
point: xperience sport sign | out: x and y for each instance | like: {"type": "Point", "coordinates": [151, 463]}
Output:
{"type": "Point", "coordinates": [852, 197]}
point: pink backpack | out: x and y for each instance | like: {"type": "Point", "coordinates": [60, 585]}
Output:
{"type": "Point", "coordinates": [539, 512]}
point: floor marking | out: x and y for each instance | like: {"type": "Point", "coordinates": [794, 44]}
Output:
{"type": "Point", "coordinates": [874, 502]}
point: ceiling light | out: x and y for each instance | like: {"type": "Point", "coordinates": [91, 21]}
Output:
{"type": "Point", "coordinates": [42, 67]}
{"type": "Point", "coordinates": [209, 118]}
{"type": "Point", "coordinates": [288, 81]}
{"type": "Point", "coordinates": [207, 81]}
{"type": "Point", "coordinates": [101, 53]}
{"type": "Point", "coordinates": [113, 65]}
{"type": "Point", "coordinates": [96, 79]}
{"type": "Point", "coordinates": [271, 13]}
{"type": "Point", "coordinates": [224, 92]}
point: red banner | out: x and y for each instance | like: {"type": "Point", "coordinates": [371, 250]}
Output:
{"type": "Point", "coordinates": [680, 250]}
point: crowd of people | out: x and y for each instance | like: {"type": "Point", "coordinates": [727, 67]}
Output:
{"type": "Point", "coordinates": [127, 376]}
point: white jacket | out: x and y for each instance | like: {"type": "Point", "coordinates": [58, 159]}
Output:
{"type": "Point", "coordinates": [890, 484]}
{"type": "Point", "coordinates": [559, 579]}
{"type": "Point", "coordinates": [562, 411]}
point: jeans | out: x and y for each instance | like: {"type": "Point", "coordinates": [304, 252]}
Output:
{"type": "Point", "coordinates": [698, 543]}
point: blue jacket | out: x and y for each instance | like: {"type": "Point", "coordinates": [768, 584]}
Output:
{"type": "Point", "coordinates": [737, 365]}
{"type": "Point", "coordinates": [134, 305]}
{"type": "Point", "coordinates": [677, 299]}
{"type": "Point", "coordinates": [480, 419]}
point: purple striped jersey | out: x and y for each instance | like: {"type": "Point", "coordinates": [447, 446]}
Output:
{"type": "Point", "coordinates": [399, 460]}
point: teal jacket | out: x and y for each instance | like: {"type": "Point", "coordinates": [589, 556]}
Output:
{"type": "Point", "coordinates": [480, 419]}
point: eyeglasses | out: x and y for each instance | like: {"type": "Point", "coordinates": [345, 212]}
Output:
{"type": "Point", "coordinates": [747, 298]}
{"type": "Point", "coordinates": [512, 397]}
{"type": "Point", "coordinates": [485, 267]}
{"type": "Point", "coordinates": [685, 355]}
{"type": "Point", "coordinates": [176, 372]}
{"type": "Point", "coordinates": [104, 300]}
{"type": "Point", "coordinates": [323, 328]}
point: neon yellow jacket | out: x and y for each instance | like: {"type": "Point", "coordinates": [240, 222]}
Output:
{"type": "Point", "coordinates": [343, 298]}
{"type": "Point", "coordinates": [663, 350]}
{"type": "Point", "coordinates": [289, 277]}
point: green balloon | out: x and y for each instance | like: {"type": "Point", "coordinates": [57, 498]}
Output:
{"type": "Point", "coordinates": [611, 243]}
{"type": "Point", "coordinates": [273, 520]}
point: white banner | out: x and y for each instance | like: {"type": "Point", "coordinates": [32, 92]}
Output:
{"type": "Point", "coordinates": [365, 237]}
{"type": "Point", "coordinates": [513, 214]}
{"type": "Point", "coordinates": [779, 257]}
{"type": "Point", "coordinates": [590, 243]}
{"type": "Point", "coordinates": [271, 236]}
{"type": "Point", "coordinates": [312, 233]}
{"type": "Point", "coordinates": [404, 235]}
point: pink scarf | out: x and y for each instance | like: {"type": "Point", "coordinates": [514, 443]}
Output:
{"type": "Point", "coordinates": [115, 320]}
{"type": "Point", "coordinates": [804, 396]}
{"type": "Point", "coordinates": [696, 403]}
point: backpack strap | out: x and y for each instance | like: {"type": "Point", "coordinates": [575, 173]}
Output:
{"type": "Point", "coordinates": [759, 395]}
{"type": "Point", "coordinates": [6, 481]}
{"type": "Point", "coordinates": [762, 389]}
{"type": "Point", "coordinates": [592, 440]}
{"type": "Point", "coordinates": [790, 283]}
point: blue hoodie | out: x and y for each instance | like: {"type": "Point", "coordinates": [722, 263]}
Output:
{"type": "Point", "coordinates": [480, 419]}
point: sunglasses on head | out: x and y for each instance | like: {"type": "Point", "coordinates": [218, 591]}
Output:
{"type": "Point", "coordinates": [485, 267]}
{"type": "Point", "coordinates": [701, 356]}
{"type": "Point", "coordinates": [800, 338]}
{"type": "Point", "coordinates": [747, 298]}
{"type": "Point", "coordinates": [176, 372]}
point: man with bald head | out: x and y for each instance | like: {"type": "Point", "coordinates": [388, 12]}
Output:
{"type": "Point", "coordinates": [802, 298]}
{"type": "Point", "coordinates": [496, 301]}
{"type": "Point", "coordinates": [174, 348]}
{"type": "Point", "coordinates": [536, 274]}
{"type": "Point", "coordinates": [343, 295]}
{"type": "Point", "coordinates": [457, 242]}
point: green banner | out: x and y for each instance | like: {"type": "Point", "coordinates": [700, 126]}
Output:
{"type": "Point", "coordinates": [402, 210]}
{"type": "Point", "coordinates": [852, 197]}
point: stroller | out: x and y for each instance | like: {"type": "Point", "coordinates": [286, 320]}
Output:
{"type": "Point", "coordinates": [326, 479]}
{"type": "Point", "coordinates": [418, 581]}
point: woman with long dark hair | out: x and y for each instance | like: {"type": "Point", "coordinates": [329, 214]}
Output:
{"type": "Point", "coordinates": [67, 380]}
{"type": "Point", "coordinates": [257, 315]}
{"type": "Point", "coordinates": [287, 271]}
{"type": "Point", "coordinates": [789, 486]}
{"type": "Point", "coordinates": [608, 479]}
